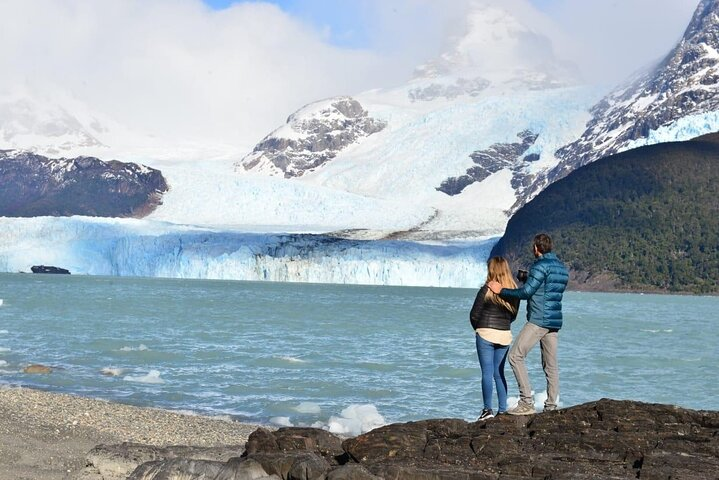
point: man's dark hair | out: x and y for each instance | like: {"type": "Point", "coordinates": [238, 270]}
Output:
{"type": "Point", "coordinates": [543, 243]}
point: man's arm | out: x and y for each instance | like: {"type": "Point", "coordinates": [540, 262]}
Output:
{"type": "Point", "coordinates": [534, 281]}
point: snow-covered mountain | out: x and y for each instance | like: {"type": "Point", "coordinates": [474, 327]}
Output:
{"type": "Point", "coordinates": [29, 121]}
{"type": "Point", "coordinates": [492, 121]}
{"type": "Point", "coordinates": [312, 137]}
{"type": "Point", "coordinates": [448, 139]}
{"type": "Point", "coordinates": [677, 99]}
{"type": "Point", "coordinates": [437, 163]}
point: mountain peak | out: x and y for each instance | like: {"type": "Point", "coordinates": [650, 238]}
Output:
{"type": "Point", "coordinates": [704, 22]}
{"type": "Point", "coordinates": [676, 100]}
{"type": "Point", "coordinates": [496, 45]}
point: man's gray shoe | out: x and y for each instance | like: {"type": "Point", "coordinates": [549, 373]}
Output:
{"type": "Point", "coordinates": [522, 408]}
{"type": "Point", "coordinates": [550, 408]}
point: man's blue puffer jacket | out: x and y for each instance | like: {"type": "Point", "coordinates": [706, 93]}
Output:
{"type": "Point", "coordinates": [544, 287]}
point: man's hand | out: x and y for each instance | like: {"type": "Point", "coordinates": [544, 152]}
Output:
{"type": "Point", "coordinates": [495, 286]}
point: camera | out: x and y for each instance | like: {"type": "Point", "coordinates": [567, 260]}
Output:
{"type": "Point", "coordinates": [522, 275]}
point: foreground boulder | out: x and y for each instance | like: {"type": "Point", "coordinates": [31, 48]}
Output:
{"type": "Point", "coordinates": [603, 439]}
{"type": "Point", "coordinates": [115, 462]}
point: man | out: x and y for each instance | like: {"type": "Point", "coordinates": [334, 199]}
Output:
{"type": "Point", "coordinates": [543, 289]}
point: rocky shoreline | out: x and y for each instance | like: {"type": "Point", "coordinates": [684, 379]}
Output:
{"type": "Point", "coordinates": [48, 436]}
{"type": "Point", "coordinates": [54, 436]}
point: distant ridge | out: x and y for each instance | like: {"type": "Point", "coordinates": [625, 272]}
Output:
{"type": "Point", "coordinates": [34, 185]}
{"type": "Point", "coordinates": [646, 219]}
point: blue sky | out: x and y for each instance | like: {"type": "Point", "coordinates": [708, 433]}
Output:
{"type": "Point", "coordinates": [343, 19]}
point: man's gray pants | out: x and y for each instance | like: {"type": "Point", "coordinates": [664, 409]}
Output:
{"type": "Point", "coordinates": [525, 341]}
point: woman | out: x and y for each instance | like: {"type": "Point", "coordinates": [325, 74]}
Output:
{"type": "Point", "coordinates": [491, 317]}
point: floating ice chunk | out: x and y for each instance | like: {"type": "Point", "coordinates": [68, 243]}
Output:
{"type": "Point", "coordinates": [4, 332]}
{"type": "Point", "coordinates": [153, 376]}
{"type": "Point", "coordinates": [539, 399]}
{"type": "Point", "coordinates": [112, 371]}
{"type": "Point", "coordinates": [3, 363]}
{"type": "Point", "coordinates": [293, 359]}
{"type": "Point", "coordinates": [355, 420]}
{"type": "Point", "coordinates": [4, 349]}
{"type": "Point", "coordinates": [308, 407]}
{"type": "Point", "coordinates": [1, 302]}
{"type": "Point", "coordinates": [141, 348]}
{"type": "Point", "coordinates": [281, 421]}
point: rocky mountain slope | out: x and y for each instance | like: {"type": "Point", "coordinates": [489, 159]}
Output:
{"type": "Point", "coordinates": [34, 185]}
{"type": "Point", "coordinates": [645, 219]}
{"type": "Point", "coordinates": [448, 138]}
{"type": "Point", "coordinates": [683, 85]}
{"type": "Point", "coordinates": [478, 131]}
{"type": "Point", "coordinates": [312, 137]}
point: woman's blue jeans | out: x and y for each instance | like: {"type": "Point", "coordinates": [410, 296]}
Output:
{"type": "Point", "coordinates": [491, 361]}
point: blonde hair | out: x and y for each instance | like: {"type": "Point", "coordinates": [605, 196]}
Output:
{"type": "Point", "coordinates": [498, 271]}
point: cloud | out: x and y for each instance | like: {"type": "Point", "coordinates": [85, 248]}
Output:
{"type": "Point", "coordinates": [611, 39]}
{"type": "Point", "coordinates": [176, 67]}
{"type": "Point", "coordinates": [181, 70]}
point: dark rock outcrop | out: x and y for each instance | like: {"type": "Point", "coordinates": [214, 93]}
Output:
{"type": "Point", "coordinates": [33, 185]}
{"type": "Point", "coordinates": [604, 439]}
{"type": "Point", "coordinates": [49, 269]}
{"type": "Point", "coordinates": [495, 158]}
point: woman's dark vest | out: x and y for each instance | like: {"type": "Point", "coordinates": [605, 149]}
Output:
{"type": "Point", "coordinates": [486, 314]}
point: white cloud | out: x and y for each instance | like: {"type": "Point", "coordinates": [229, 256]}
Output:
{"type": "Point", "coordinates": [610, 39]}
{"type": "Point", "coordinates": [177, 69]}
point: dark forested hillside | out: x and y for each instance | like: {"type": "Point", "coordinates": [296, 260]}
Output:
{"type": "Point", "coordinates": [646, 219]}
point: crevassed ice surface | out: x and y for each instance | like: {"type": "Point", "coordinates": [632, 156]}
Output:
{"type": "Point", "coordinates": [154, 249]}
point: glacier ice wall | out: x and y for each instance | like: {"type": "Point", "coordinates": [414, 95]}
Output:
{"type": "Point", "coordinates": [126, 247]}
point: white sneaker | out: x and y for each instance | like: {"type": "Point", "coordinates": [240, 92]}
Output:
{"type": "Point", "coordinates": [522, 408]}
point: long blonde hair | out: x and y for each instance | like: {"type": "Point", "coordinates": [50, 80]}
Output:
{"type": "Point", "coordinates": [498, 270]}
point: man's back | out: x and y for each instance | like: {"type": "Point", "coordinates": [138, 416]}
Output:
{"type": "Point", "coordinates": [545, 306]}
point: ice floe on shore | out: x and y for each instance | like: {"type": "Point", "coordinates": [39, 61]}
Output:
{"type": "Point", "coordinates": [152, 377]}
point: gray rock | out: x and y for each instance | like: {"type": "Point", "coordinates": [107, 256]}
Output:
{"type": "Point", "coordinates": [318, 135]}
{"type": "Point", "coordinates": [187, 469]}
{"type": "Point", "coordinates": [351, 472]}
{"type": "Point", "coordinates": [308, 466]}
{"type": "Point", "coordinates": [294, 439]}
{"type": "Point", "coordinates": [178, 469]}
{"type": "Point", "coordinates": [605, 439]}
{"type": "Point", "coordinates": [118, 461]}
{"type": "Point", "coordinates": [493, 159]}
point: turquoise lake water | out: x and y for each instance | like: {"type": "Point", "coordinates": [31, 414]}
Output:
{"type": "Point", "coordinates": [331, 355]}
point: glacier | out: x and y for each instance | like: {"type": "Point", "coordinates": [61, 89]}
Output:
{"type": "Point", "coordinates": [128, 247]}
